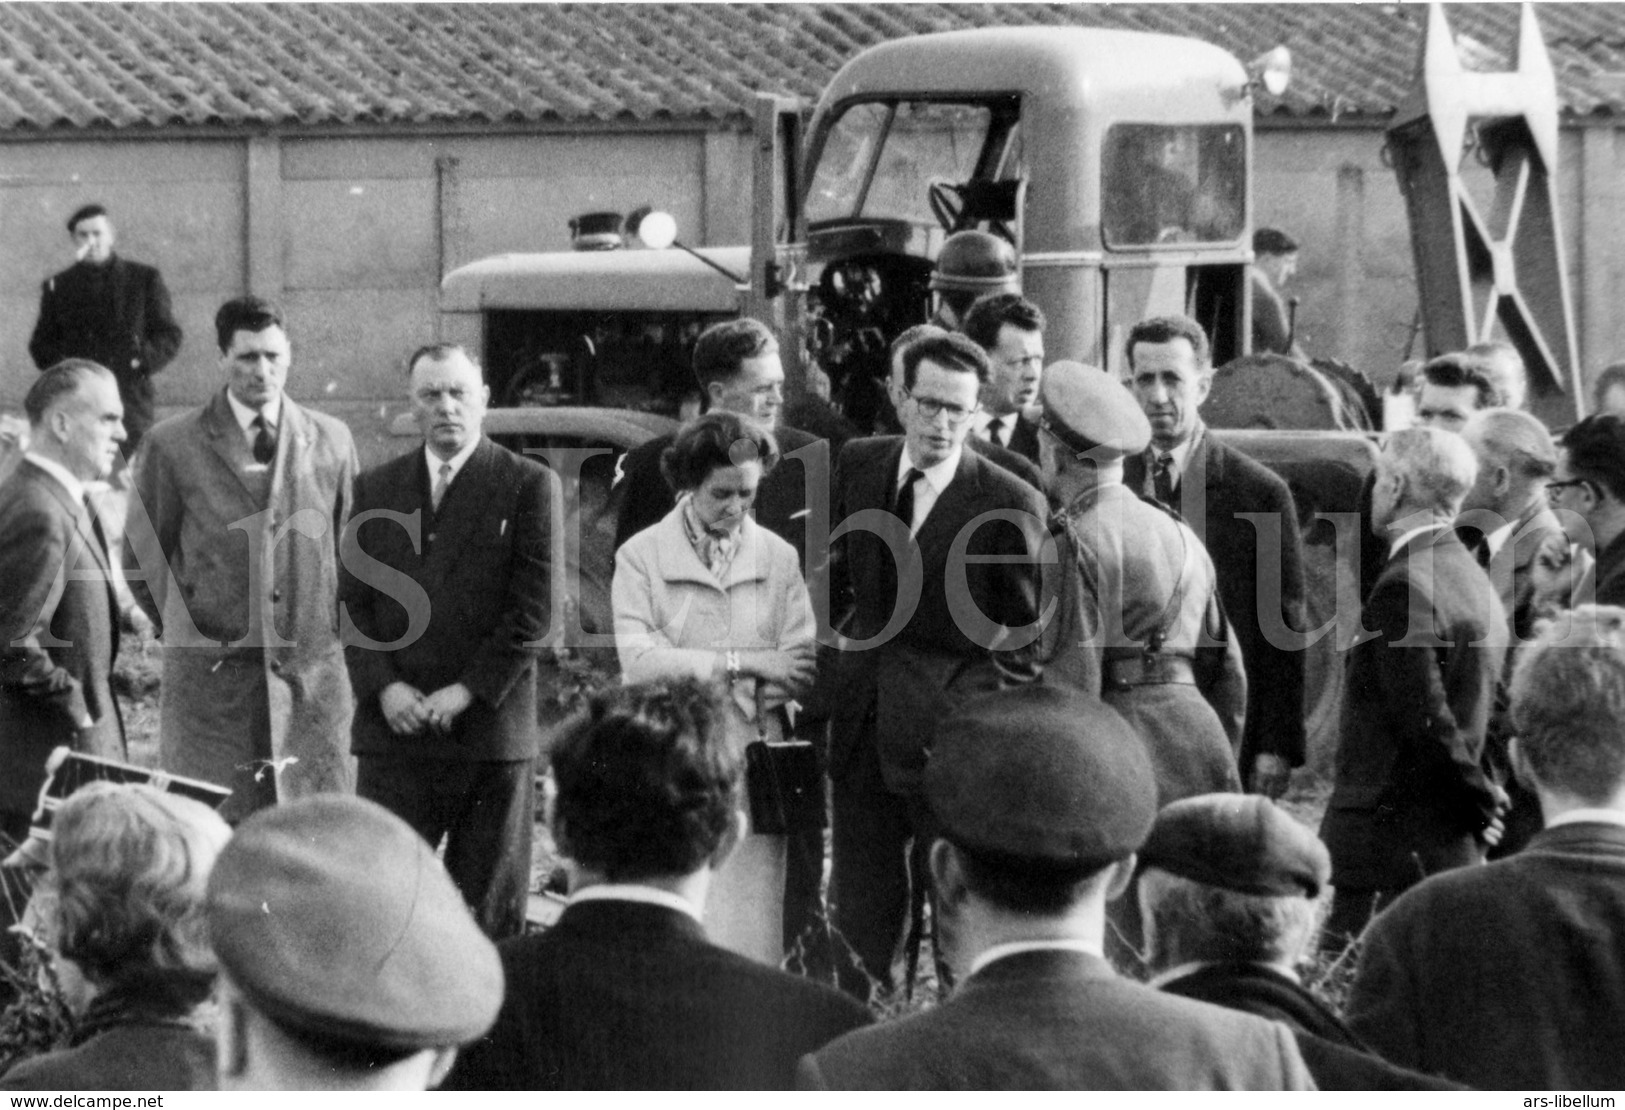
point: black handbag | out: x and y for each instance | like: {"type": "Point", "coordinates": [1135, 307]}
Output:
{"type": "Point", "coordinates": [784, 787]}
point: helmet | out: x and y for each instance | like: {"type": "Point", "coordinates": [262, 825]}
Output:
{"type": "Point", "coordinates": [976, 262]}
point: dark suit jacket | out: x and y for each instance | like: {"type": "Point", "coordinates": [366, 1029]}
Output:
{"type": "Point", "coordinates": [469, 606]}
{"type": "Point", "coordinates": [1218, 482]}
{"type": "Point", "coordinates": [934, 652]}
{"type": "Point", "coordinates": [126, 1041]}
{"type": "Point", "coordinates": [1610, 573]}
{"type": "Point", "coordinates": [630, 996]}
{"type": "Point", "coordinates": [1057, 1020]}
{"type": "Point", "coordinates": [1024, 439]}
{"type": "Point", "coordinates": [1022, 467]}
{"type": "Point", "coordinates": [1338, 1060]}
{"type": "Point", "coordinates": [1417, 698]}
{"type": "Point", "coordinates": [117, 315]}
{"type": "Point", "coordinates": [781, 500]}
{"type": "Point", "coordinates": [58, 635]}
{"type": "Point", "coordinates": [1509, 976]}
{"type": "Point", "coordinates": [1509, 570]}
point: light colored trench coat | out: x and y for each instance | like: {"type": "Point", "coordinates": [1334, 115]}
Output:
{"type": "Point", "coordinates": [223, 573]}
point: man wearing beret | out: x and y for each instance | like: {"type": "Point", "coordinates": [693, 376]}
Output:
{"type": "Point", "coordinates": [1229, 893]}
{"type": "Point", "coordinates": [1512, 976]}
{"type": "Point", "coordinates": [935, 595]}
{"type": "Point", "coordinates": [625, 991]}
{"type": "Point", "coordinates": [1275, 260]}
{"type": "Point", "coordinates": [1042, 796]}
{"type": "Point", "coordinates": [1217, 489]}
{"type": "Point", "coordinates": [348, 960]}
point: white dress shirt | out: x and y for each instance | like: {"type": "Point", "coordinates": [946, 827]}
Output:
{"type": "Point", "coordinates": [245, 417]}
{"type": "Point", "coordinates": [929, 488]}
{"type": "Point", "coordinates": [635, 892]}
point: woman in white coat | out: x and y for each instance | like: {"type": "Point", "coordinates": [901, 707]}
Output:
{"type": "Point", "coordinates": [708, 592]}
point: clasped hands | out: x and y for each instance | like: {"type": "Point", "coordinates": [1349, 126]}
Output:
{"type": "Point", "coordinates": [408, 710]}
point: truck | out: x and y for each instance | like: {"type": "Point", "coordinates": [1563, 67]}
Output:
{"type": "Point", "coordinates": [1118, 165]}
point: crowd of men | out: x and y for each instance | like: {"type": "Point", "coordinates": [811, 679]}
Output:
{"type": "Point", "coordinates": [1067, 628]}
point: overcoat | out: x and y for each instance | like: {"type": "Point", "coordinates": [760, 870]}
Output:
{"type": "Point", "coordinates": [239, 568]}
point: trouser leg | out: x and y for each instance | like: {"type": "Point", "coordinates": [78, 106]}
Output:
{"type": "Point", "coordinates": [869, 882]}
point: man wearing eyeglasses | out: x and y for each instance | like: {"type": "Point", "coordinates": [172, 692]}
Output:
{"type": "Point", "coordinates": [1588, 493]}
{"type": "Point", "coordinates": [933, 598]}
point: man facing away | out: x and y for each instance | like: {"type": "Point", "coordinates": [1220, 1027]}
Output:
{"type": "Point", "coordinates": [1210, 484]}
{"type": "Point", "coordinates": [1042, 796]}
{"type": "Point", "coordinates": [231, 548]}
{"type": "Point", "coordinates": [112, 311]}
{"type": "Point", "coordinates": [1230, 891]}
{"type": "Point", "coordinates": [1512, 976]}
{"type": "Point", "coordinates": [445, 589]}
{"type": "Point", "coordinates": [347, 960]}
{"type": "Point", "coordinates": [1409, 797]}
{"type": "Point", "coordinates": [625, 991]}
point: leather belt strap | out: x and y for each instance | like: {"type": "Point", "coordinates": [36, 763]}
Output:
{"type": "Point", "coordinates": [1149, 670]}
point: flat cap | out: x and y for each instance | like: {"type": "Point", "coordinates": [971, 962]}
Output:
{"type": "Point", "coordinates": [1090, 410]}
{"type": "Point", "coordinates": [334, 918]}
{"type": "Point", "coordinates": [1042, 774]}
{"type": "Point", "coordinates": [1240, 842]}
{"type": "Point", "coordinates": [1270, 240]}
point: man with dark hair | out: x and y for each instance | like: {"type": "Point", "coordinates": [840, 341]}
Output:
{"type": "Point", "coordinates": [1275, 260]}
{"type": "Point", "coordinates": [1010, 328]}
{"type": "Point", "coordinates": [1451, 389]}
{"type": "Point", "coordinates": [1588, 490]}
{"type": "Point", "coordinates": [231, 548]}
{"type": "Point", "coordinates": [1229, 890]}
{"type": "Point", "coordinates": [1409, 797]}
{"type": "Point", "coordinates": [1215, 488]}
{"type": "Point", "coordinates": [112, 311]}
{"type": "Point", "coordinates": [950, 561]}
{"type": "Point", "coordinates": [897, 395]}
{"type": "Point", "coordinates": [737, 364]}
{"type": "Point", "coordinates": [58, 617]}
{"type": "Point", "coordinates": [347, 960]}
{"type": "Point", "coordinates": [445, 587]}
{"type": "Point", "coordinates": [625, 992]}
{"type": "Point", "coordinates": [1512, 976]}
{"type": "Point", "coordinates": [1041, 797]}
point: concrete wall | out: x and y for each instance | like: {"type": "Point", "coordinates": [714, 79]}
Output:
{"type": "Point", "coordinates": [352, 234]}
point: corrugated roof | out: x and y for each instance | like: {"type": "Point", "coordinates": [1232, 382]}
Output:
{"type": "Point", "coordinates": [142, 65]}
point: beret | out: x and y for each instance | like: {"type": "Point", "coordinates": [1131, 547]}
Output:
{"type": "Point", "coordinates": [1090, 410]}
{"type": "Point", "coordinates": [1043, 774]}
{"type": "Point", "coordinates": [334, 918]}
{"type": "Point", "coordinates": [1240, 842]}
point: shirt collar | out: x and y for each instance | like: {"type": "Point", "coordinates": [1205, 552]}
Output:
{"type": "Point", "coordinates": [1497, 539]}
{"type": "Point", "coordinates": [245, 415]}
{"type": "Point", "coordinates": [1181, 453]}
{"type": "Point", "coordinates": [456, 461]}
{"type": "Point", "coordinates": [75, 488]}
{"type": "Point", "coordinates": [1016, 948]}
{"type": "Point", "coordinates": [636, 892]}
{"type": "Point", "coordinates": [939, 474]}
{"type": "Point", "coordinates": [1405, 538]}
{"type": "Point", "coordinates": [1174, 973]}
{"type": "Point", "coordinates": [1594, 816]}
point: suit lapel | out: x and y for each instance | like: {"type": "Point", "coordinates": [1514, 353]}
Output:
{"type": "Point", "coordinates": [460, 510]}
{"type": "Point", "coordinates": [292, 442]}
{"type": "Point", "coordinates": [951, 511]}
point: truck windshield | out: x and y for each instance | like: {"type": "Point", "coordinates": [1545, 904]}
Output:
{"type": "Point", "coordinates": [1173, 184]}
{"type": "Point", "coordinates": [880, 160]}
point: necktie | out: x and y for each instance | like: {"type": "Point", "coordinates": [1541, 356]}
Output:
{"type": "Point", "coordinates": [995, 430]}
{"type": "Point", "coordinates": [1476, 541]}
{"type": "Point", "coordinates": [1162, 479]}
{"type": "Point", "coordinates": [96, 524]}
{"type": "Point", "coordinates": [904, 508]}
{"type": "Point", "coordinates": [438, 494]}
{"type": "Point", "coordinates": [264, 441]}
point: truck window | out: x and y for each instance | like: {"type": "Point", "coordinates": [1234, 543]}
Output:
{"type": "Point", "coordinates": [1173, 184]}
{"type": "Point", "coordinates": [880, 159]}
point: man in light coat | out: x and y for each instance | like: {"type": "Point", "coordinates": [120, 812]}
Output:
{"type": "Point", "coordinates": [231, 547]}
